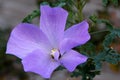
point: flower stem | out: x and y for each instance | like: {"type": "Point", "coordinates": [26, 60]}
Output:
{"type": "Point", "coordinates": [96, 32]}
{"type": "Point", "coordinates": [81, 4]}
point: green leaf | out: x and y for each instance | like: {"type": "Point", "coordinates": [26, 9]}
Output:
{"type": "Point", "coordinates": [98, 64]}
{"type": "Point", "coordinates": [76, 74]}
{"type": "Point", "coordinates": [93, 18]}
{"type": "Point", "coordinates": [60, 68]}
{"type": "Point", "coordinates": [108, 40]}
{"type": "Point", "coordinates": [96, 20]}
{"type": "Point", "coordinates": [88, 48]}
{"type": "Point", "coordinates": [31, 16]}
{"type": "Point", "coordinates": [99, 58]}
{"type": "Point", "coordinates": [62, 4]}
{"type": "Point", "coordinates": [113, 57]}
{"type": "Point", "coordinates": [105, 2]}
{"type": "Point", "coordinates": [115, 2]}
{"type": "Point", "coordinates": [44, 3]}
{"type": "Point", "coordinates": [107, 22]}
{"type": "Point", "coordinates": [117, 32]}
{"type": "Point", "coordinates": [110, 37]}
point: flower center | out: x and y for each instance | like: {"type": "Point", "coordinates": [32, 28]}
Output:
{"type": "Point", "coordinates": [55, 54]}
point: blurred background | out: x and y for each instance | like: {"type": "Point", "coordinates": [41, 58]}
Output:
{"type": "Point", "coordinates": [12, 13]}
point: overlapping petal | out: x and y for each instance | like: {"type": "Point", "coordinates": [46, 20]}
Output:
{"type": "Point", "coordinates": [52, 23]}
{"type": "Point", "coordinates": [74, 36]}
{"type": "Point", "coordinates": [40, 63]}
{"type": "Point", "coordinates": [72, 59]}
{"type": "Point", "coordinates": [25, 38]}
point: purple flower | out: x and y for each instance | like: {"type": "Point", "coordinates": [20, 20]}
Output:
{"type": "Point", "coordinates": [43, 49]}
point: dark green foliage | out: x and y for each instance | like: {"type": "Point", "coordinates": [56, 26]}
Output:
{"type": "Point", "coordinates": [115, 2]}
{"type": "Point", "coordinates": [60, 68]}
{"type": "Point", "coordinates": [107, 53]}
{"type": "Point", "coordinates": [87, 49]}
{"type": "Point", "coordinates": [86, 70]}
{"type": "Point", "coordinates": [31, 16]}
{"type": "Point", "coordinates": [96, 20]}
{"type": "Point", "coordinates": [110, 56]}
{"type": "Point", "coordinates": [113, 57]}
{"type": "Point", "coordinates": [116, 32]}
{"type": "Point", "coordinates": [107, 2]}
{"type": "Point", "coordinates": [108, 40]}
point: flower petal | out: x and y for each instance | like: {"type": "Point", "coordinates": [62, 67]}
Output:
{"type": "Point", "coordinates": [52, 23]}
{"type": "Point", "coordinates": [25, 38]}
{"type": "Point", "coordinates": [40, 63]}
{"type": "Point", "coordinates": [74, 36]}
{"type": "Point", "coordinates": [72, 59]}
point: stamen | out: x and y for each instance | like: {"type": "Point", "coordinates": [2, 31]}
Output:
{"type": "Point", "coordinates": [55, 54]}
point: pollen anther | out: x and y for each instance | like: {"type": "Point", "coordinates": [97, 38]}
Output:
{"type": "Point", "coordinates": [53, 52]}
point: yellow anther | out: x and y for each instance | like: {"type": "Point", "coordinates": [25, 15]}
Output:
{"type": "Point", "coordinates": [53, 52]}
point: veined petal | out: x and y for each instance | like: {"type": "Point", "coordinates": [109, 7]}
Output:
{"type": "Point", "coordinates": [40, 63]}
{"type": "Point", "coordinates": [25, 38]}
{"type": "Point", "coordinates": [52, 23]}
{"type": "Point", "coordinates": [72, 59]}
{"type": "Point", "coordinates": [74, 36]}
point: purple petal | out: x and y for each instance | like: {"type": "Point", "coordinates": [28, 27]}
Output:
{"type": "Point", "coordinates": [40, 63]}
{"type": "Point", "coordinates": [72, 59]}
{"type": "Point", "coordinates": [52, 23]}
{"type": "Point", "coordinates": [25, 38]}
{"type": "Point", "coordinates": [74, 36]}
